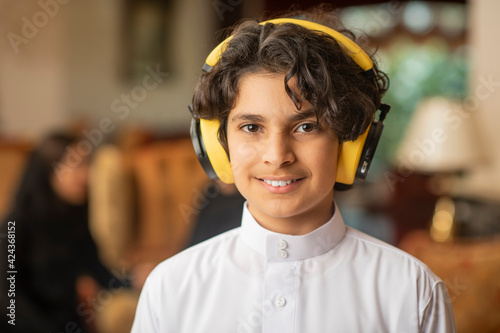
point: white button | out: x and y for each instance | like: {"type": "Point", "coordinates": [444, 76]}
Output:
{"type": "Point", "coordinates": [282, 244]}
{"type": "Point", "coordinates": [282, 254]}
{"type": "Point", "coordinates": [280, 302]}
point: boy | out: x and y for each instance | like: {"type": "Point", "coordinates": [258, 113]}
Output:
{"type": "Point", "coordinates": [285, 97]}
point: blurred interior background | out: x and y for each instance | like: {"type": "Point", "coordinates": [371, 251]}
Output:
{"type": "Point", "coordinates": [120, 73]}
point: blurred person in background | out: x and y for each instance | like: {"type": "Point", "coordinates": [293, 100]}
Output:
{"type": "Point", "coordinates": [222, 213]}
{"type": "Point", "coordinates": [55, 255]}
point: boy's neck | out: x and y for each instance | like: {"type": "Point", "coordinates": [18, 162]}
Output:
{"type": "Point", "coordinates": [297, 225]}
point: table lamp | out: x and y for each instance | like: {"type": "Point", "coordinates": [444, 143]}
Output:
{"type": "Point", "coordinates": [442, 141]}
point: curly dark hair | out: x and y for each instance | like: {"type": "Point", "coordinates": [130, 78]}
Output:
{"type": "Point", "coordinates": [326, 76]}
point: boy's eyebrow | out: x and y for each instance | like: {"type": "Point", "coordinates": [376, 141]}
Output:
{"type": "Point", "coordinates": [303, 115]}
{"type": "Point", "coordinates": [258, 118]}
{"type": "Point", "coordinates": [248, 117]}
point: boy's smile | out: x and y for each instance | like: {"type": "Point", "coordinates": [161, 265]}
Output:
{"type": "Point", "coordinates": [284, 162]}
{"type": "Point", "coordinates": [281, 184]}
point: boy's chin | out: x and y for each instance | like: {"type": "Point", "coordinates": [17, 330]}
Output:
{"type": "Point", "coordinates": [276, 210]}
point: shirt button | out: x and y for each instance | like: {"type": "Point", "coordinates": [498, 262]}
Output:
{"type": "Point", "coordinates": [282, 254]}
{"type": "Point", "coordinates": [280, 302]}
{"type": "Point", "coordinates": [282, 244]}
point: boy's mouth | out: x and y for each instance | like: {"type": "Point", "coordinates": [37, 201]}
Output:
{"type": "Point", "coordinates": [279, 183]}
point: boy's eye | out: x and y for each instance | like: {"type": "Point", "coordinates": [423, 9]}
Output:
{"type": "Point", "coordinates": [251, 128]}
{"type": "Point", "coordinates": [307, 128]}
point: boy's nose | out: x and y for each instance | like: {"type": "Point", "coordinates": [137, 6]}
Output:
{"type": "Point", "coordinates": [278, 151]}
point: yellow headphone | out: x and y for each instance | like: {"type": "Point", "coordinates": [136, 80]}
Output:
{"type": "Point", "coordinates": [355, 156]}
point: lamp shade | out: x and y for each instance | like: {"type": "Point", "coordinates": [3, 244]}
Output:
{"type": "Point", "coordinates": [441, 138]}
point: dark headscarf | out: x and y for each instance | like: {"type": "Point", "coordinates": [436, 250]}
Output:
{"type": "Point", "coordinates": [53, 247]}
{"type": "Point", "coordinates": [35, 195]}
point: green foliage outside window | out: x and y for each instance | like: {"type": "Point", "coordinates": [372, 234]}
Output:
{"type": "Point", "coordinates": [418, 71]}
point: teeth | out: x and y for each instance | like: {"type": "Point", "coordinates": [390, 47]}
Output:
{"type": "Point", "coordinates": [277, 183]}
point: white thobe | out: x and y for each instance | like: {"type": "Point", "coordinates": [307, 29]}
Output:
{"type": "Point", "coordinates": [334, 279]}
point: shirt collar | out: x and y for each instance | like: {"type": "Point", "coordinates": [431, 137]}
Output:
{"type": "Point", "coordinates": [281, 247]}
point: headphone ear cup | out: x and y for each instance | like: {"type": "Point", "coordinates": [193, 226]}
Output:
{"type": "Point", "coordinates": [215, 160]}
{"type": "Point", "coordinates": [369, 148]}
{"type": "Point", "coordinates": [348, 161]}
{"type": "Point", "coordinates": [199, 149]}
{"type": "Point", "coordinates": [356, 157]}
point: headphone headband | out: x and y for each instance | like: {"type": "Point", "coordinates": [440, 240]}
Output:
{"type": "Point", "coordinates": [352, 49]}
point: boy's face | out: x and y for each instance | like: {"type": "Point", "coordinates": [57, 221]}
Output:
{"type": "Point", "coordinates": [283, 163]}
